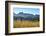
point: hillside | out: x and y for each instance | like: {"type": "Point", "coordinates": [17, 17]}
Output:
{"type": "Point", "coordinates": [25, 16]}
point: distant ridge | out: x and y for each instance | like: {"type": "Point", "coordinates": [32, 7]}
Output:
{"type": "Point", "coordinates": [25, 16]}
{"type": "Point", "coordinates": [20, 13]}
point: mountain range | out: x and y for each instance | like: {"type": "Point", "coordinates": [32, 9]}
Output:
{"type": "Point", "coordinates": [25, 16]}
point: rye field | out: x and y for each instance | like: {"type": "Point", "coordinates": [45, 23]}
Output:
{"type": "Point", "coordinates": [25, 24]}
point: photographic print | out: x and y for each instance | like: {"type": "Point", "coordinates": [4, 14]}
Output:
{"type": "Point", "coordinates": [24, 17]}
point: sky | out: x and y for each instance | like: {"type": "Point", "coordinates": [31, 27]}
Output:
{"type": "Point", "coordinates": [33, 11]}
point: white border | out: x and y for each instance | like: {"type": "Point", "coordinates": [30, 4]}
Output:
{"type": "Point", "coordinates": [16, 30]}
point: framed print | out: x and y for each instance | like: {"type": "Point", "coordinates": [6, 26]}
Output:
{"type": "Point", "coordinates": [24, 17]}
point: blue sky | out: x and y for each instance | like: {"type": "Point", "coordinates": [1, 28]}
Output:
{"type": "Point", "coordinates": [27, 10]}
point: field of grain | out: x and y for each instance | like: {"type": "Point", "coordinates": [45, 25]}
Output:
{"type": "Point", "coordinates": [25, 24]}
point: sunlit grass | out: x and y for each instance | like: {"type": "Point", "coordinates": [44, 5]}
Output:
{"type": "Point", "coordinates": [25, 23]}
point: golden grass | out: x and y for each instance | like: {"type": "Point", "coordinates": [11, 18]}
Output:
{"type": "Point", "coordinates": [25, 23]}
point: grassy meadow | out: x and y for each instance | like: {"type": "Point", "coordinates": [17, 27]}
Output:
{"type": "Point", "coordinates": [25, 23]}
